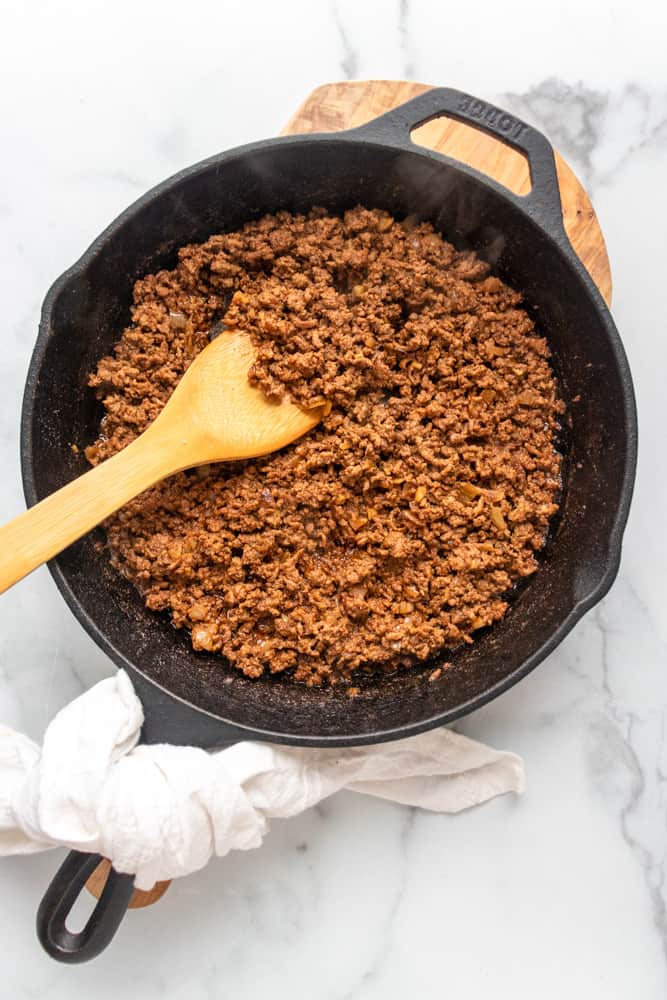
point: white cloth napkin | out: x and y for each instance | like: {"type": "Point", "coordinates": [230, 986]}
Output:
{"type": "Point", "coordinates": [163, 811]}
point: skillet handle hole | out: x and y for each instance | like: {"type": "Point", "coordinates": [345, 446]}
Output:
{"type": "Point", "coordinates": [477, 149]}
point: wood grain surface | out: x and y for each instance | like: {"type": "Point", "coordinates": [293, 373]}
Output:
{"type": "Point", "coordinates": [336, 106]}
{"type": "Point", "coordinates": [140, 897]}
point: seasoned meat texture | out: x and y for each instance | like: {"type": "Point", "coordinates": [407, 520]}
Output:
{"type": "Point", "coordinates": [398, 526]}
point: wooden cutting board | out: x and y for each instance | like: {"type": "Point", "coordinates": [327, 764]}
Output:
{"type": "Point", "coordinates": [336, 106]}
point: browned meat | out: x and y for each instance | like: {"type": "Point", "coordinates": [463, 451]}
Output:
{"type": "Point", "coordinates": [399, 525]}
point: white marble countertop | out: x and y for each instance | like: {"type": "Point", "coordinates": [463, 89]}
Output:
{"type": "Point", "coordinates": [561, 892]}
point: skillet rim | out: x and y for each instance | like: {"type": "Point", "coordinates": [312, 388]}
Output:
{"type": "Point", "coordinates": [367, 135]}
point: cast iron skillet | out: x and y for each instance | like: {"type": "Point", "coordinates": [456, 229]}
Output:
{"type": "Point", "coordinates": [192, 698]}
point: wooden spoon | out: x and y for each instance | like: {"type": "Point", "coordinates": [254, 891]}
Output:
{"type": "Point", "coordinates": [213, 415]}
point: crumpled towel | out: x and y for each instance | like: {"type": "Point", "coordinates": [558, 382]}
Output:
{"type": "Point", "coordinates": [162, 811]}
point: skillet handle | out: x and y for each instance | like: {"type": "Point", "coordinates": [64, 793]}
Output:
{"type": "Point", "coordinates": [68, 882]}
{"type": "Point", "coordinates": [542, 203]}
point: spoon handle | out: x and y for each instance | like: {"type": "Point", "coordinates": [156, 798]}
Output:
{"type": "Point", "coordinates": [50, 526]}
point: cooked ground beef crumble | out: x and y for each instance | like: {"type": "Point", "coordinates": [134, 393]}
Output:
{"type": "Point", "coordinates": [397, 527]}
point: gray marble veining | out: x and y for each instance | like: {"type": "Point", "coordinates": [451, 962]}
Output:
{"type": "Point", "coordinates": [349, 62]}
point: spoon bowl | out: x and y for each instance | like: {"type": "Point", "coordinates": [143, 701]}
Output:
{"type": "Point", "coordinates": [221, 416]}
{"type": "Point", "coordinates": [213, 415]}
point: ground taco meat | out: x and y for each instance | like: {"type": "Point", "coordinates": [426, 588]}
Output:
{"type": "Point", "coordinates": [398, 526]}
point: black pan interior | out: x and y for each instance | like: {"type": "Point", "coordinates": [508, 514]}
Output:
{"type": "Point", "coordinates": [86, 311]}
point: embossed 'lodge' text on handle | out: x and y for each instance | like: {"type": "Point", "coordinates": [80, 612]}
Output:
{"type": "Point", "coordinates": [503, 123]}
